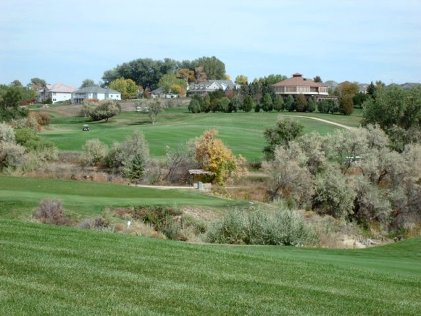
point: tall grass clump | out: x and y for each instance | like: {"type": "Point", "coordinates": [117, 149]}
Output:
{"type": "Point", "coordinates": [255, 227]}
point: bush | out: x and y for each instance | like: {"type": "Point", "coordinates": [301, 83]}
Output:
{"type": "Point", "coordinates": [285, 131]}
{"type": "Point", "coordinates": [11, 155]}
{"type": "Point", "coordinates": [29, 139]}
{"type": "Point", "coordinates": [333, 194]}
{"type": "Point", "coordinates": [42, 118]}
{"type": "Point", "coordinates": [194, 106]}
{"type": "Point", "coordinates": [178, 162]}
{"type": "Point", "coordinates": [7, 134]}
{"type": "Point", "coordinates": [51, 212]}
{"type": "Point", "coordinates": [255, 227]}
{"type": "Point", "coordinates": [94, 152]}
{"type": "Point", "coordinates": [104, 111]}
{"type": "Point", "coordinates": [95, 223]}
{"type": "Point", "coordinates": [131, 157]}
{"type": "Point", "coordinates": [163, 219]}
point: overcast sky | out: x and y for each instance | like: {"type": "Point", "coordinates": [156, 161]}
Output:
{"type": "Point", "coordinates": [69, 41]}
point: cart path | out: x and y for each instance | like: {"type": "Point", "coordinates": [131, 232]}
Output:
{"type": "Point", "coordinates": [324, 121]}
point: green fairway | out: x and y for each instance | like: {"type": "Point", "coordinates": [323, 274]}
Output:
{"type": "Point", "coordinates": [19, 196]}
{"type": "Point", "coordinates": [48, 270]}
{"type": "Point", "coordinates": [242, 132]}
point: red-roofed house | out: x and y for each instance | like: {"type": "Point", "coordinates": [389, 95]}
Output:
{"type": "Point", "coordinates": [56, 92]}
{"type": "Point", "coordinates": [299, 85]}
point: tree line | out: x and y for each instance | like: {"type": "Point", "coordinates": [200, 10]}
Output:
{"type": "Point", "coordinates": [147, 72]}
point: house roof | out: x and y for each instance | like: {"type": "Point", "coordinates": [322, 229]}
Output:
{"type": "Point", "coordinates": [298, 80]}
{"type": "Point", "coordinates": [59, 87]}
{"type": "Point", "coordinates": [158, 91]}
{"type": "Point", "coordinates": [219, 84]}
{"type": "Point", "coordinates": [96, 89]}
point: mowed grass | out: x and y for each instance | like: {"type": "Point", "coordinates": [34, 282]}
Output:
{"type": "Point", "coordinates": [19, 196]}
{"type": "Point", "coordinates": [242, 132]}
{"type": "Point", "coordinates": [48, 270]}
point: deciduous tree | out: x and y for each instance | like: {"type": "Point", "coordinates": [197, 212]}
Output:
{"type": "Point", "coordinates": [212, 155]}
{"type": "Point", "coordinates": [241, 80]}
{"type": "Point", "coordinates": [154, 109]}
{"type": "Point", "coordinates": [126, 87]}
{"type": "Point", "coordinates": [88, 83]}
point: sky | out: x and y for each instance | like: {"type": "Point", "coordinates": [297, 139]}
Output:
{"type": "Point", "coordinates": [69, 41]}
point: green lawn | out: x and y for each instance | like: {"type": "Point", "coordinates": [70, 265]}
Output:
{"type": "Point", "coordinates": [242, 132]}
{"type": "Point", "coordinates": [47, 270]}
{"type": "Point", "coordinates": [19, 196]}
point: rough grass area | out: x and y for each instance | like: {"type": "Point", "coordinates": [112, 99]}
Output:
{"type": "Point", "coordinates": [58, 270]}
{"type": "Point", "coordinates": [19, 196]}
{"type": "Point", "coordinates": [242, 132]}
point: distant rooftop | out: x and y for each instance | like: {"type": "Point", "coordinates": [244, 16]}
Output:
{"type": "Point", "coordinates": [95, 89]}
{"type": "Point", "coordinates": [59, 87]}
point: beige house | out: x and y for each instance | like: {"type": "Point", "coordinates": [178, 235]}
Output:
{"type": "Point", "coordinates": [299, 85]}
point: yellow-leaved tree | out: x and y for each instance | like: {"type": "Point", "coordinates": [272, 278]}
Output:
{"type": "Point", "coordinates": [212, 155]}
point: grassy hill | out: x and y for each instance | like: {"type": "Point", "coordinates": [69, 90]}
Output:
{"type": "Point", "coordinates": [242, 132]}
{"type": "Point", "coordinates": [62, 271]}
{"type": "Point", "coordinates": [19, 196]}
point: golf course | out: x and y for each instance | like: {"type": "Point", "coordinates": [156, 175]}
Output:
{"type": "Point", "coordinates": [53, 270]}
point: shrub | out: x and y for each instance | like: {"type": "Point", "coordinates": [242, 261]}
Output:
{"type": "Point", "coordinates": [51, 212]}
{"type": "Point", "coordinates": [194, 106]}
{"type": "Point", "coordinates": [333, 194]}
{"type": "Point", "coordinates": [163, 219]}
{"type": "Point", "coordinates": [42, 118]}
{"type": "Point", "coordinates": [29, 139]}
{"type": "Point", "coordinates": [11, 155]}
{"type": "Point", "coordinates": [104, 111]}
{"type": "Point", "coordinates": [7, 134]}
{"type": "Point", "coordinates": [288, 179]}
{"type": "Point", "coordinates": [131, 157]}
{"type": "Point", "coordinates": [256, 227]}
{"type": "Point", "coordinates": [94, 152]}
{"type": "Point", "coordinates": [285, 131]}
{"type": "Point", "coordinates": [84, 111]}
{"type": "Point", "coordinates": [178, 162]}
{"type": "Point", "coordinates": [95, 223]}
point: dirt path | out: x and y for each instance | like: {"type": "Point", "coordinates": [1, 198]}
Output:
{"type": "Point", "coordinates": [164, 187]}
{"type": "Point", "coordinates": [324, 121]}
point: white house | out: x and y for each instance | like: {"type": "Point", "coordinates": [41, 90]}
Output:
{"type": "Point", "coordinates": [211, 85]}
{"type": "Point", "coordinates": [56, 93]}
{"type": "Point", "coordinates": [95, 93]}
{"type": "Point", "coordinates": [160, 93]}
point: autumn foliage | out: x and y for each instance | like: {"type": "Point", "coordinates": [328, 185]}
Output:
{"type": "Point", "coordinates": [212, 155]}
